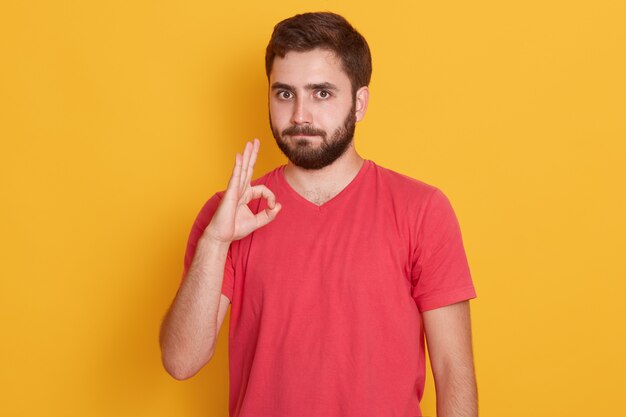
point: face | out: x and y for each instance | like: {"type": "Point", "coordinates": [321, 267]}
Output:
{"type": "Point", "coordinates": [312, 110]}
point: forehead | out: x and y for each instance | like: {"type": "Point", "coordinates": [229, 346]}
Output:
{"type": "Point", "coordinates": [315, 66]}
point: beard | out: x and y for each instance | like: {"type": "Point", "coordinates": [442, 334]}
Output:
{"type": "Point", "coordinates": [304, 154]}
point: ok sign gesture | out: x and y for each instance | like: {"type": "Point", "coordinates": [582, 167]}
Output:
{"type": "Point", "coordinates": [233, 219]}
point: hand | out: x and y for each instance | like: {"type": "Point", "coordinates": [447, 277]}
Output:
{"type": "Point", "coordinates": [233, 219]}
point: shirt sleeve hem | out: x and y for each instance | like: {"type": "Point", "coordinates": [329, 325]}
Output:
{"type": "Point", "coordinates": [228, 293]}
{"type": "Point", "coordinates": [447, 298]}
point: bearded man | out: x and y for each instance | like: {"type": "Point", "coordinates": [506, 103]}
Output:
{"type": "Point", "coordinates": [336, 269]}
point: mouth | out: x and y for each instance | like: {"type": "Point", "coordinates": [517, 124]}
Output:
{"type": "Point", "coordinates": [303, 135]}
{"type": "Point", "coordinates": [304, 139]}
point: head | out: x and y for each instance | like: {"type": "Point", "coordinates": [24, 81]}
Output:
{"type": "Point", "coordinates": [323, 30]}
{"type": "Point", "coordinates": [319, 68]}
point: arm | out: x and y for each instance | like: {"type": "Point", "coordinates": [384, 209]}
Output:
{"type": "Point", "coordinates": [191, 325]}
{"type": "Point", "coordinates": [448, 334]}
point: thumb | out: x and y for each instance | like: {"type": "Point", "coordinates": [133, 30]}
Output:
{"type": "Point", "coordinates": [267, 215]}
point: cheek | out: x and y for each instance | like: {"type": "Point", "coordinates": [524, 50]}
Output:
{"type": "Point", "coordinates": [335, 115]}
{"type": "Point", "coordinates": [332, 120]}
{"type": "Point", "coordinates": [279, 115]}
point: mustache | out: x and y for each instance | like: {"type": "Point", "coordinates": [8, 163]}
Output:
{"type": "Point", "coordinates": [303, 130]}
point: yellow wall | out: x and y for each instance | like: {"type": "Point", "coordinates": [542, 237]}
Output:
{"type": "Point", "coordinates": [119, 118]}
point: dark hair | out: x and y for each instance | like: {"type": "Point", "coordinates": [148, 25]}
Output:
{"type": "Point", "coordinates": [325, 30]}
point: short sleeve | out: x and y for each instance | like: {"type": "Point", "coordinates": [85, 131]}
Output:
{"type": "Point", "coordinates": [202, 220]}
{"type": "Point", "coordinates": [440, 271]}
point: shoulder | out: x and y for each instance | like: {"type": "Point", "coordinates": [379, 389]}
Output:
{"type": "Point", "coordinates": [401, 187]}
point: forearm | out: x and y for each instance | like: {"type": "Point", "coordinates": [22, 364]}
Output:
{"type": "Point", "coordinates": [449, 336]}
{"type": "Point", "coordinates": [456, 392]}
{"type": "Point", "coordinates": [189, 329]}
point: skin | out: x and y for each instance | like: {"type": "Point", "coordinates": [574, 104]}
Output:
{"type": "Point", "coordinates": [448, 334]}
{"type": "Point", "coordinates": [306, 89]}
{"type": "Point", "coordinates": [190, 327]}
{"type": "Point", "coordinates": [294, 101]}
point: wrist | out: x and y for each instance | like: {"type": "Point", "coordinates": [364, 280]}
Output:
{"type": "Point", "coordinates": [208, 241]}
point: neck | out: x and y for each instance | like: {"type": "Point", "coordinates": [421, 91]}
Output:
{"type": "Point", "coordinates": [320, 185]}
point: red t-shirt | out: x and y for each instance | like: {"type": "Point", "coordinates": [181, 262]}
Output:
{"type": "Point", "coordinates": [326, 300]}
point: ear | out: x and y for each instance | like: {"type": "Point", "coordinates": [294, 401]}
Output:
{"type": "Point", "coordinates": [362, 99]}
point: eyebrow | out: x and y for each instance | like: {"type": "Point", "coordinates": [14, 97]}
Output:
{"type": "Point", "coordinates": [311, 86]}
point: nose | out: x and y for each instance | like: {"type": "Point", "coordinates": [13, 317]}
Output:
{"type": "Point", "coordinates": [301, 113]}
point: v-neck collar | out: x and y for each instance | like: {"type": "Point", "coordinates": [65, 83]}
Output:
{"type": "Point", "coordinates": [330, 203]}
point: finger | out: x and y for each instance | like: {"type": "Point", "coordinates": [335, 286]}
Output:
{"type": "Point", "coordinates": [244, 173]}
{"type": "Point", "coordinates": [233, 183]}
{"type": "Point", "coordinates": [261, 190]}
{"type": "Point", "coordinates": [255, 151]}
{"type": "Point", "coordinates": [267, 215]}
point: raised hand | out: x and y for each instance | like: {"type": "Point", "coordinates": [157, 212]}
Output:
{"type": "Point", "coordinates": [233, 219]}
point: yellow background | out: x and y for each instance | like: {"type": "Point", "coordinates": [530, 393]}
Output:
{"type": "Point", "coordinates": [118, 119]}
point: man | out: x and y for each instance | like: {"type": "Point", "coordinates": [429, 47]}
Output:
{"type": "Point", "coordinates": [334, 267]}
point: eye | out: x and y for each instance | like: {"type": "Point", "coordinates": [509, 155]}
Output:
{"type": "Point", "coordinates": [284, 95]}
{"type": "Point", "coordinates": [323, 94]}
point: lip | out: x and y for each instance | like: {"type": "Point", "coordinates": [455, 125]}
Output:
{"type": "Point", "coordinates": [300, 135]}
